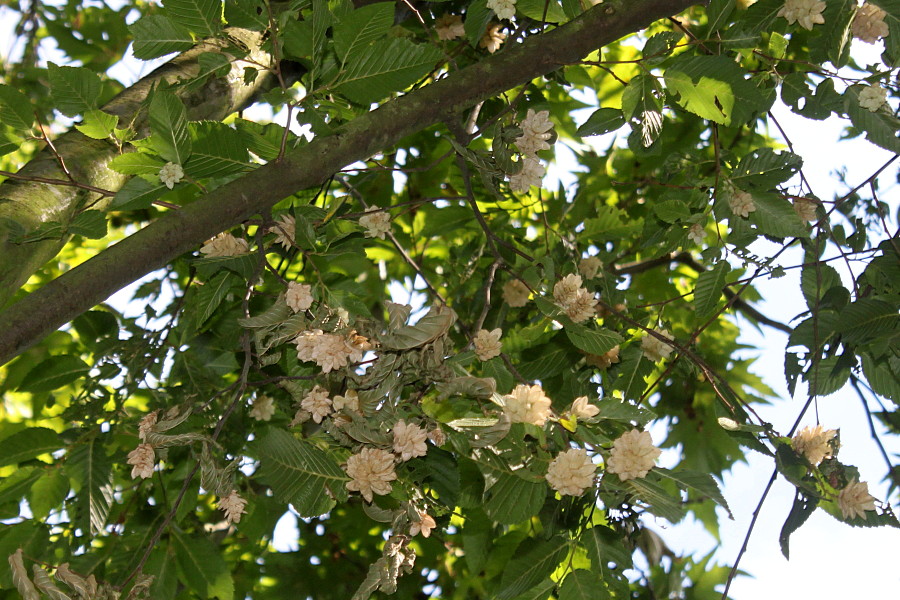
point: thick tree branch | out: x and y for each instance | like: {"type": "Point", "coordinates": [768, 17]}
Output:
{"type": "Point", "coordinates": [45, 310]}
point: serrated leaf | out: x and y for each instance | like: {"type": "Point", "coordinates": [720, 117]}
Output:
{"type": "Point", "coordinates": [660, 502]}
{"type": "Point", "coordinates": [882, 128]}
{"type": "Point", "coordinates": [388, 66]}
{"type": "Point", "coordinates": [201, 567]}
{"type": "Point", "coordinates": [97, 124]}
{"type": "Point", "coordinates": [16, 486]}
{"type": "Point", "coordinates": [275, 314]}
{"type": "Point", "coordinates": [47, 493]}
{"type": "Point", "coordinates": [247, 14]}
{"type": "Point", "coordinates": [156, 35]}
{"type": "Point", "coordinates": [582, 584]}
{"type": "Point", "coordinates": [717, 14]}
{"type": "Point", "coordinates": [541, 10]}
{"type": "Point", "coordinates": [53, 373]}
{"type": "Point", "coordinates": [512, 499]}
{"type": "Point", "coordinates": [775, 216]}
{"type": "Point", "coordinates": [354, 33]}
{"type": "Point", "coordinates": [478, 15]}
{"type": "Point", "coordinates": [211, 294]}
{"type": "Point", "coordinates": [216, 150]}
{"type": "Point", "coordinates": [671, 211]}
{"type": "Point", "coordinates": [137, 194]}
{"type": "Point", "coordinates": [75, 90]}
{"type": "Point", "coordinates": [764, 169]}
{"type": "Point", "coordinates": [213, 63]}
{"type": "Point", "coordinates": [168, 122]}
{"type": "Point", "coordinates": [203, 17]}
{"type": "Point", "coordinates": [27, 444]}
{"type": "Point", "coordinates": [815, 281]}
{"type": "Point", "coordinates": [136, 163]}
{"type": "Point", "coordinates": [868, 319]}
{"type": "Point", "coordinates": [892, 18]}
{"type": "Point", "coordinates": [883, 375]}
{"type": "Point", "coordinates": [532, 564]}
{"type": "Point", "coordinates": [828, 375]}
{"type": "Point", "coordinates": [90, 224]}
{"type": "Point", "coordinates": [709, 288]}
{"type": "Point", "coordinates": [603, 547]}
{"type": "Point", "coordinates": [91, 473]}
{"type": "Point", "coordinates": [602, 120]}
{"type": "Point", "coordinates": [702, 484]}
{"type": "Point", "coordinates": [15, 109]}
{"type": "Point", "coordinates": [708, 98]}
{"type": "Point", "coordinates": [592, 341]}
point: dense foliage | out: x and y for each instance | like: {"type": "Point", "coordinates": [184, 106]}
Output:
{"type": "Point", "coordinates": [384, 325]}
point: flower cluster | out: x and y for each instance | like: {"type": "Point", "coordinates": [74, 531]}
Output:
{"type": "Point", "coordinates": [317, 403]}
{"type": "Point", "coordinates": [515, 293]}
{"type": "Point", "coordinates": [590, 266]}
{"type": "Point", "coordinates": [504, 9]}
{"type": "Point", "coordinates": [578, 303]}
{"type": "Point", "coordinates": [147, 424]}
{"type": "Point", "coordinates": [170, 174]}
{"type": "Point", "coordinates": [224, 245]}
{"type": "Point", "coordinates": [330, 351]}
{"type": "Point", "coordinates": [536, 130]}
{"type": "Point", "coordinates": [527, 404]}
{"type": "Point", "coordinates": [805, 209]}
{"type": "Point", "coordinates": [285, 230]}
{"type": "Point", "coordinates": [142, 460]}
{"type": "Point", "coordinates": [741, 203]}
{"type": "Point", "coordinates": [696, 233]}
{"type": "Point", "coordinates": [493, 38]}
{"type": "Point", "coordinates": [868, 24]}
{"type": "Point", "coordinates": [449, 27]}
{"type": "Point", "coordinates": [531, 174]}
{"type": "Point", "coordinates": [370, 471]}
{"type": "Point", "coordinates": [854, 500]}
{"type": "Point", "coordinates": [487, 343]}
{"type": "Point", "coordinates": [299, 296]}
{"type": "Point", "coordinates": [655, 349]}
{"type": "Point", "coordinates": [376, 221]}
{"type": "Point", "coordinates": [263, 408]}
{"type": "Point", "coordinates": [633, 455]}
{"type": "Point", "coordinates": [233, 506]}
{"type": "Point", "coordinates": [806, 13]}
{"type": "Point", "coordinates": [814, 443]}
{"type": "Point", "coordinates": [348, 402]}
{"type": "Point", "coordinates": [571, 472]}
{"type": "Point", "coordinates": [409, 440]}
{"type": "Point", "coordinates": [872, 97]}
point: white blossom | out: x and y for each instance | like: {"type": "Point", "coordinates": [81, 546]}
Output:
{"type": "Point", "coordinates": [583, 409]}
{"type": "Point", "coordinates": [147, 424]}
{"type": "Point", "coordinates": [233, 506]}
{"type": "Point", "coordinates": [696, 233]}
{"type": "Point", "coordinates": [536, 130]}
{"type": "Point", "coordinates": [330, 351]}
{"type": "Point", "coordinates": [578, 303]}
{"type": "Point", "coordinates": [224, 245]}
{"type": "Point", "coordinates": [424, 525]}
{"type": "Point", "coordinates": [492, 38]}
{"type": "Point", "coordinates": [449, 27]}
{"type": "Point", "coordinates": [868, 24]}
{"type": "Point", "coordinates": [317, 403]}
{"type": "Point", "coordinates": [806, 209]}
{"type": "Point", "coordinates": [376, 221]}
{"type": "Point", "coordinates": [532, 174]}
{"type": "Point", "coordinates": [170, 174]}
{"type": "Point", "coordinates": [515, 293]}
{"type": "Point", "coordinates": [656, 350]}
{"type": "Point", "coordinates": [285, 230]}
{"type": "Point", "coordinates": [409, 440]}
{"type": "Point", "coordinates": [741, 203]}
{"type": "Point", "coordinates": [298, 296]}
{"type": "Point", "coordinates": [370, 471]}
{"type": "Point", "coordinates": [633, 455]}
{"type": "Point", "coordinates": [263, 408]}
{"type": "Point", "coordinates": [872, 97]}
{"type": "Point", "coordinates": [814, 443]}
{"type": "Point", "coordinates": [142, 460]}
{"type": "Point", "coordinates": [571, 472]}
{"type": "Point", "coordinates": [488, 344]}
{"type": "Point", "coordinates": [590, 266]}
{"type": "Point", "coordinates": [527, 404]}
{"type": "Point", "coordinates": [805, 13]}
{"type": "Point", "coordinates": [348, 402]}
{"type": "Point", "coordinates": [603, 361]}
{"type": "Point", "coordinates": [504, 9]}
{"type": "Point", "coordinates": [854, 500]}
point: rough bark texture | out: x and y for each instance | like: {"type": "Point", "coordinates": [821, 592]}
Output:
{"type": "Point", "coordinates": [30, 203]}
{"type": "Point", "coordinates": [89, 284]}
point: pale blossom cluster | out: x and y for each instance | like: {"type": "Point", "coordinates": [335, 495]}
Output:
{"type": "Point", "coordinates": [233, 507]}
{"type": "Point", "coordinates": [655, 349]}
{"type": "Point", "coordinates": [299, 296]}
{"type": "Point", "coordinates": [603, 361]}
{"type": "Point", "coordinates": [805, 13]}
{"type": "Point", "coordinates": [504, 9]}
{"type": "Point", "coordinates": [527, 404]}
{"type": "Point", "coordinates": [409, 440]}
{"type": "Point", "coordinates": [536, 130]}
{"type": "Point", "coordinates": [317, 403]}
{"type": "Point", "coordinates": [515, 293]}
{"type": "Point", "coordinates": [854, 500]}
{"type": "Point", "coordinates": [170, 174]}
{"type": "Point", "coordinates": [142, 460]}
{"type": "Point", "coordinates": [488, 344]}
{"type": "Point", "coordinates": [633, 455]}
{"type": "Point", "coordinates": [578, 303]}
{"type": "Point", "coordinates": [348, 402]}
{"type": "Point", "coordinates": [696, 233]}
{"type": "Point", "coordinates": [872, 97]}
{"type": "Point", "coordinates": [263, 408]}
{"type": "Point", "coordinates": [531, 174]}
{"type": "Point", "coordinates": [224, 245]}
{"type": "Point", "coordinates": [330, 351]}
{"type": "Point", "coordinates": [147, 424]}
{"type": "Point", "coordinates": [741, 203]}
{"type": "Point", "coordinates": [814, 443]}
{"type": "Point", "coordinates": [868, 24]}
{"type": "Point", "coordinates": [285, 230]}
{"type": "Point", "coordinates": [805, 209]}
{"type": "Point", "coordinates": [377, 222]}
{"type": "Point", "coordinates": [583, 409]}
{"type": "Point", "coordinates": [571, 472]}
{"type": "Point", "coordinates": [449, 27]}
{"type": "Point", "coordinates": [370, 471]}
{"type": "Point", "coordinates": [493, 38]}
{"type": "Point", "coordinates": [424, 525]}
{"type": "Point", "coordinates": [590, 266]}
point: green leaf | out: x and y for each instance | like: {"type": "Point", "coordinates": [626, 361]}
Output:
{"type": "Point", "coordinates": [671, 211]}
{"type": "Point", "coordinates": [867, 320]}
{"type": "Point", "coordinates": [592, 341]}
{"type": "Point", "coordinates": [641, 103]}
{"type": "Point", "coordinates": [701, 484]}
{"type": "Point", "coordinates": [534, 562]}
{"type": "Point", "coordinates": [54, 373]}
{"type": "Point", "coordinates": [97, 124]}
{"type": "Point", "coordinates": [15, 109]}
{"type": "Point", "coordinates": [90, 224]}
{"type": "Point", "coordinates": [765, 168]}
{"type": "Point", "coordinates": [660, 502]}
{"type": "Point", "coordinates": [75, 90]}
{"type": "Point", "coordinates": [355, 32]}
{"type": "Point", "coordinates": [203, 17]}
{"type": "Point", "coordinates": [247, 14]}
{"type": "Point", "coordinates": [47, 493]}
{"type": "Point", "coordinates": [512, 499]}
{"type": "Point", "coordinates": [833, 42]}
{"type": "Point", "coordinates": [27, 444]}
{"type": "Point", "coordinates": [201, 566]}
{"type": "Point", "coordinates": [604, 547]}
{"type": "Point", "coordinates": [582, 584]}
{"type": "Point", "coordinates": [708, 98]}
{"type": "Point", "coordinates": [156, 35]}
{"type": "Point", "coordinates": [136, 163]}
{"type": "Point", "coordinates": [882, 128]}
{"type": "Point", "coordinates": [300, 473]}
{"type": "Point", "coordinates": [211, 294]}
{"type": "Point", "coordinates": [804, 506]}
{"type": "Point", "coordinates": [717, 14]}
{"type": "Point", "coordinates": [775, 216]}
{"type": "Point", "coordinates": [217, 150]}
{"type": "Point", "coordinates": [709, 288]}
{"type": "Point", "coordinates": [815, 281]}
{"type": "Point", "coordinates": [137, 194]}
{"type": "Point", "coordinates": [389, 66]}
{"type": "Point", "coordinates": [16, 486]}
{"type": "Point", "coordinates": [430, 327]}
{"type": "Point", "coordinates": [90, 471]}
{"type": "Point", "coordinates": [883, 375]}
{"type": "Point", "coordinates": [536, 9]}
{"type": "Point", "coordinates": [213, 63]}
{"type": "Point", "coordinates": [892, 18]}
{"type": "Point", "coordinates": [478, 15]}
{"type": "Point", "coordinates": [828, 375]}
{"type": "Point", "coordinates": [602, 120]}
{"type": "Point", "coordinates": [168, 122]}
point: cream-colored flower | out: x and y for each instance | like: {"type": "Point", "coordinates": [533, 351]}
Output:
{"type": "Point", "coordinates": [872, 97]}
{"type": "Point", "coordinates": [536, 130]}
{"type": "Point", "coordinates": [371, 471]}
{"type": "Point", "coordinates": [583, 409]}
{"type": "Point", "coordinates": [654, 349]}
{"type": "Point", "coordinates": [233, 507]}
{"type": "Point", "coordinates": [328, 350]}
{"type": "Point", "coordinates": [504, 9]}
{"type": "Point", "coordinates": [814, 443]}
{"type": "Point", "coordinates": [868, 24]}
{"type": "Point", "coordinates": [697, 233]}
{"type": "Point", "coordinates": [224, 245]}
{"type": "Point", "coordinates": [741, 203]}
{"type": "Point", "coordinates": [285, 230]}
{"type": "Point", "coordinates": [527, 404]}
{"type": "Point", "coordinates": [170, 174]}
{"type": "Point", "coordinates": [347, 403]}
{"type": "Point", "coordinates": [806, 209]}
{"type": "Point", "coordinates": [603, 361]}
{"type": "Point", "coordinates": [488, 344]}
{"type": "Point", "coordinates": [317, 403]}
{"type": "Point", "coordinates": [142, 459]}
{"type": "Point", "coordinates": [590, 266]}
{"type": "Point", "coordinates": [493, 38]}
{"type": "Point", "coordinates": [424, 525]}
{"type": "Point", "coordinates": [376, 221]}
{"type": "Point", "coordinates": [409, 440]}
{"type": "Point", "coordinates": [633, 455]}
{"type": "Point", "coordinates": [855, 500]}
{"type": "Point", "coordinates": [578, 303]}
{"type": "Point", "coordinates": [147, 424]}
{"type": "Point", "coordinates": [515, 293]}
{"type": "Point", "coordinates": [437, 436]}
{"type": "Point", "coordinates": [263, 408]}
{"type": "Point", "coordinates": [299, 296]}
{"type": "Point", "coordinates": [805, 13]}
{"type": "Point", "coordinates": [449, 27]}
{"type": "Point", "coordinates": [571, 472]}
{"type": "Point", "coordinates": [532, 174]}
